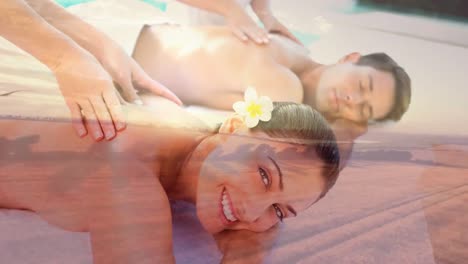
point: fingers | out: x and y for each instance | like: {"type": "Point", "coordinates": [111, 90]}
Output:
{"type": "Point", "coordinates": [113, 105]}
{"type": "Point", "coordinates": [145, 82]}
{"type": "Point", "coordinates": [129, 92]}
{"type": "Point", "coordinates": [255, 33]}
{"type": "Point", "coordinates": [282, 30]}
{"type": "Point", "coordinates": [171, 96]}
{"type": "Point", "coordinates": [291, 36]}
{"type": "Point", "coordinates": [91, 120]}
{"type": "Point", "coordinates": [239, 34]}
{"type": "Point", "coordinates": [104, 117]}
{"type": "Point", "coordinates": [77, 118]}
{"type": "Point", "coordinates": [121, 100]}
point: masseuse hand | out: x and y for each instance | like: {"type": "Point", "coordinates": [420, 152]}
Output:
{"type": "Point", "coordinates": [273, 25]}
{"type": "Point", "coordinates": [90, 95]}
{"type": "Point", "coordinates": [88, 87]}
{"type": "Point", "coordinates": [245, 28]}
{"type": "Point", "coordinates": [129, 75]}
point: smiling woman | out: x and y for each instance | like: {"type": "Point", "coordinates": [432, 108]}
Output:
{"type": "Point", "coordinates": [119, 190]}
{"type": "Point", "coordinates": [255, 176]}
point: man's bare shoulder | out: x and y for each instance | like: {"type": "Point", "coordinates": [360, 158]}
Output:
{"type": "Point", "coordinates": [280, 83]}
{"type": "Point", "coordinates": [287, 50]}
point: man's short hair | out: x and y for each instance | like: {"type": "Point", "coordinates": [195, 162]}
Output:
{"type": "Point", "coordinates": [402, 98]}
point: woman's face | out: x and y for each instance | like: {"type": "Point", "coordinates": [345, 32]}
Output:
{"type": "Point", "coordinates": [252, 182]}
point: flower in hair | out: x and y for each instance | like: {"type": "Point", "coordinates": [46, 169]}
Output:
{"type": "Point", "coordinates": [254, 108]}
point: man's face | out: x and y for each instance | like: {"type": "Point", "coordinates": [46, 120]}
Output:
{"type": "Point", "coordinates": [353, 92]}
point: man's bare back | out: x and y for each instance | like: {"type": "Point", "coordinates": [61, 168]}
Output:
{"type": "Point", "coordinates": [196, 62]}
{"type": "Point", "coordinates": [208, 66]}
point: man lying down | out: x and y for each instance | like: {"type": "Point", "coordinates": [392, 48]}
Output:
{"type": "Point", "coordinates": [209, 66]}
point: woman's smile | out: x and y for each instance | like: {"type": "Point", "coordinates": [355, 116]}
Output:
{"type": "Point", "coordinates": [227, 211]}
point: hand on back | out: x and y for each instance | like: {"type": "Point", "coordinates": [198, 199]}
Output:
{"type": "Point", "coordinates": [245, 28]}
{"type": "Point", "coordinates": [87, 84]}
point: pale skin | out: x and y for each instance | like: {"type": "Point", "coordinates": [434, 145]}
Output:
{"type": "Point", "coordinates": [85, 72]}
{"type": "Point", "coordinates": [95, 194]}
{"type": "Point", "coordinates": [239, 21]}
{"type": "Point", "coordinates": [213, 69]}
{"type": "Point", "coordinates": [119, 191]}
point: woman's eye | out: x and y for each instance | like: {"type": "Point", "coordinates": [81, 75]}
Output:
{"type": "Point", "coordinates": [264, 176]}
{"type": "Point", "coordinates": [278, 212]}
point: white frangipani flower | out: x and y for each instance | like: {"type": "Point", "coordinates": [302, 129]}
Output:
{"type": "Point", "coordinates": [254, 108]}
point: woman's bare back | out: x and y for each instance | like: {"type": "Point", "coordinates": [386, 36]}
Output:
{"type": "Point", "coordinates": [47, 168]}
{"type": "Point", "coordinates": [113, 189]}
